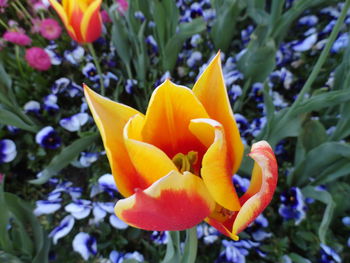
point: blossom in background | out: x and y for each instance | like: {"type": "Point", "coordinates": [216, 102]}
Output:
{"type": "Point", "coordinates": [183, 134]}
{"type": "Point", "coordinates": [48, 138]}
{"type": "Point", "coordinates": [50, 29]}
{"type": "Point", "coordinates": [160, 237]}
{"type": "Point", "coordinates": [105, 17]}
{"type": "Point", "coordinates": [63, 229]}
{"type": "Point", "coordinates": [81, 18]}
{"type": "Point", "coordinates": [88, 158]}
{"type": "Point", "coordinates": [38, 59]}
{"type": "Point", "coordinates": [75, 56]}
{"type": "Point", "coordinates": [129, 85]}
{"type": "Point", "coordinates": [17, 38]}
{"type": "Point", "coordinates": [50, 103]}
{"type": "Point", "coordinates": [293, 205]}
{"type": "Point", "coordinates": [122, 6]}
{"type": "Point", "coordinates": [118, 257]}
{"type": "Point", "coordinates": [90, 71]}
{"type": "Point", "coordinates": [329, 255]}
{"type": "Point", "coordinates": [32, 106]}
{"type": "Point", "coordinates": [85, 245]}
{"type": "Point", "coordinates": [74, 122]}
{"type": "Point", "coordinates": [8, 151]}
{"type": "Point", "coordinates": [45, 207]}
{"type": "Point", "coordinates": [79, 208]}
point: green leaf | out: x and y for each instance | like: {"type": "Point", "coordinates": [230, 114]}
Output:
{"type": "Point", "coordinates": [191, 244]}
{"type": "Point", "coordinates": [32, 239]}
{"type": "Point", "coordinates": [269, 106]}
{"type": "Point", "coordinates": [9, 118]}
{"type": "Point", "coordinates": [281, 128]}
{"type": "Point", "coordinates": [312, 134]}
{"type": "Point", "coordinates": [324, 100]}
{"type": "Point", "coordinates": [326, 198]}
{"type": "Point", "coordinates": [66, 156]}
{"type": "Point", "coordinates": [322, 162]}
{"type": "Point", "coordinates": [172, 254]}
{"type": "Point", "coordinates": [224, 26]}
{"type": "Point", "coordinates": [174, 45]}
{"type": "Point", "coordinates": [298, 259]}
{"type": "Point", "coordinates": [5, 78]}
{"type": "Point", "coordinates": [259, 59]}
{"type": "Point", "coordinates": [8, 258]}
{"type": "Point", "coordinates": [120, 40]}
{"type": "Point", "coordinates": [5, 241]}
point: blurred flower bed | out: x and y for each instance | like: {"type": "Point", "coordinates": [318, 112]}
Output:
{"type": "Point", "coordinates": [54, 165]}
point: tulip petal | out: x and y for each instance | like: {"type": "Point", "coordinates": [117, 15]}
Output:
{"type": "Point", "coordinates": [175, 202]}
{"type": "Point", "coordinates": [111, 117]}
{"type": "Point", "coordinates": [257, 197]}
{"type": "Point", "coordinates": [64, 14]}
{"type": "Point", "coordinates": [210, 89]}
{"type": "Point", "coordinates": [91, 24]}
{"type": "Point", "coordinates": [149, 161]}
{"type": "Point", "coordinates": [263, 155]}
{"type": "Point", "coordinates": [169, 113]}
{"type": "Point", "coordinates": [216, 172]}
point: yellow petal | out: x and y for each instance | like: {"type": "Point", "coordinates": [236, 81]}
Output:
{"type": "Point", "coordinates": [210, 89]}
{"type": "Point", "coordinates": [260, 193]}
{"type": "Point", "coordinates": [91, 24]}
{"type": "Point", "coordinates": [110, 118]}
{"type": "Point", "coordinates": [149, 161]}
{"type": "Point", "coordinates": [169, 113]}
{"type": "Point", "coordinates": [60, 11]}
{"type": "Point", "coordinates": [216, 172]}
{"type": "Point", "coordinates": [175, 202]}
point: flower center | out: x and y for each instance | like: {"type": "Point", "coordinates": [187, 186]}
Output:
{"type": "Point", "coordinates": [185, 162]}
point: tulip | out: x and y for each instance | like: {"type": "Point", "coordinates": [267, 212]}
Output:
{"type": "Point", "coordinates": [82, 18]}
{"type": "Point", "coordinates": [174, 165]}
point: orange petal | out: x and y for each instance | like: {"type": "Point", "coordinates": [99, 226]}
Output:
{"type": "Point", "coordinates": [210, 89]}
{"type": "Point", "coordinates": [75, 21]}
{"type": "Point", "coordinates": [262, 189]}
{"type": "Point", "coordinates": [168, 115]}
{"type": "Point", "coordinates": [60, 11]}
{"type": "Point", "coordinates": [149, 161]}
{"type": "Point", "coordinates": [110, 118]}
{"type": "Point", "coordinates": [216, 172]}
{"type": "Point", "coordinates": [65, 16]}
{"type": "Point", "coordinates": [257, 197]}
{"type": "Point", "coordinates": [91, 24]}
{"type": "Point", "coordinates": [175, 202]}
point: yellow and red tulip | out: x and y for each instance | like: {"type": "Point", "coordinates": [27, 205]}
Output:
{"type": "Point", "coordinates": [174, 165]}
{"type": "Point", "coordinates": [82, 18]}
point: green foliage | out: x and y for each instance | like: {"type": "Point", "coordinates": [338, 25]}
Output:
{"type": "Point", "coordinates": [229, 11]}
{"type": "Point", "coordinates": [67, 155]}
{"type": "Point", "coordinates": [22, 238]}
{"type": "Point", "coordinates": [324, 197]}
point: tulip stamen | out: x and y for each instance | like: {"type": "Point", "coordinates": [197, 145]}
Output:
{"type": "Point", "coordinates": [222, 214]}
{"type": "Point", "coordinates": [185, 162]}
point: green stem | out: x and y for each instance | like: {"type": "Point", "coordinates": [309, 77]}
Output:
{"type": "Point", "coordinates": [20, 12]}
{"type": "Point", "coordinates": [24, 10]}
{"type": "Point", "coordinates": [173, 253]}
{"type": "Point", "coordinates": [321, 60]}
{"type": "Point", "coordinates": [3, 24]}
{"type": "Point", "coordinates": [128, 71]}
{"type": "Point", "coordinates": [191, 246]}
{"type": "Point", "coordinates": [240, 101]}
{"type": "Point", "coordinates": [98, 67]}
{"type": "Point", "coordinates": [276, 11]}
{"type": "Point", "coordinates": [19, 64]}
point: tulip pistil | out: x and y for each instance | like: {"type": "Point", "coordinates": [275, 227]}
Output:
{"type": "Point", "coordinates": [185, 162]}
